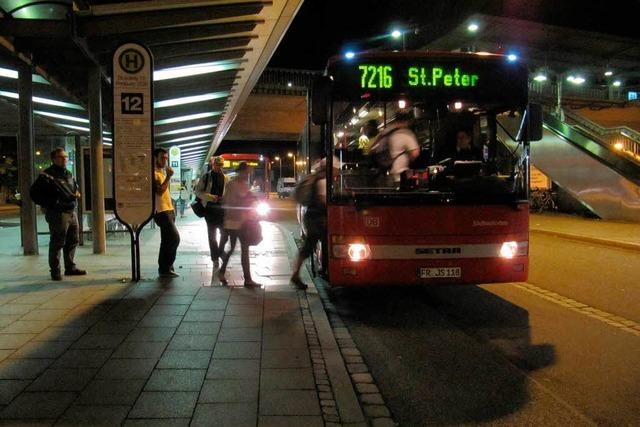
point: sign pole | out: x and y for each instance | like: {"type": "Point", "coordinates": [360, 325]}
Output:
{"type": "Point", "coordinates": [133, 162]}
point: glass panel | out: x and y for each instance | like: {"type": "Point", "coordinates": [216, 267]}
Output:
{"type": "Point", "coordinates": [437, 152]}
{"type": "Point", "coordinates": [43, 11]}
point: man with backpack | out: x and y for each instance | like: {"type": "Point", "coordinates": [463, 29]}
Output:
{"type": "Point", "coordinates": [209, 192]}
{"type": "Point", "coordinates": [311, 192]}
{"type": "Point", "coordinates": [56, 190]}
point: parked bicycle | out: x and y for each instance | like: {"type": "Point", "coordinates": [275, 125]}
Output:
{"type": "Point", "coordinates": [543, 200]}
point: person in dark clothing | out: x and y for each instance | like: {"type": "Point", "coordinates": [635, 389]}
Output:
{"type": "Point", "coordinates": [210, 190]}
{"type": "Point", "coordinates": [315, 218]}
{"type": "Point", "coordinates": [165, 215]}
{"type": "Point", "coordinates": [62, 190]}
{"type": "Point", "coordinates": [465, 150]}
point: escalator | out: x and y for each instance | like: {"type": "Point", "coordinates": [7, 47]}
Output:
{"type": "Point", "coordinates": [602, 180]}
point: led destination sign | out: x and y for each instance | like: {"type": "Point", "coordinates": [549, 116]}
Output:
{"type": "Point", "coordinates": [376, 76]}
{"type": "Point", "coordinates": [431, 78]}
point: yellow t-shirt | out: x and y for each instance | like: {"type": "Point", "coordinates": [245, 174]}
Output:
{"type": "Point", "coordinates": [163, 201]}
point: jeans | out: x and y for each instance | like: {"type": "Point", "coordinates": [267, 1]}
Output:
{"type": "Point", "coordinates": [63, 227]}
{"type": "Point", "coordinates": [233, 236]}
{"type": "Point", "coordinates": [216, 249]}
{"type": "Point", "coordinates": [169, 240]}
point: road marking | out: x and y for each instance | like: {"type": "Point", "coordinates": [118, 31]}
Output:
{"type": "Point", "coordinates": [618, 322]}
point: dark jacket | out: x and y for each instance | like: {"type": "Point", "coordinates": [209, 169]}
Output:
{"type": "Point", "coordinates": [60, 188]}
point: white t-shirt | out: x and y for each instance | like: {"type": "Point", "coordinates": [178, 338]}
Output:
{"type": "Point", "coordinates": [403, 140]}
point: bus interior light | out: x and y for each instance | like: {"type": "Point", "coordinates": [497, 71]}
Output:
{"type": "Point", "coordinates": [509, 250]}
{"type": "Point", "coordinates": [358, 252]}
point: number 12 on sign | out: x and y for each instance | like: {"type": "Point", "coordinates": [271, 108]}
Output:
{"type": "Point", "coordinates": [132, 103]}
{"type": "Point", "coordinates": [376, 76]}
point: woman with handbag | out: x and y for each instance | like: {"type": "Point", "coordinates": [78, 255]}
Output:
{"type": "Point", "coordinates": [209, 193]}
{"type": "Point", "coordinates": [240, 223]}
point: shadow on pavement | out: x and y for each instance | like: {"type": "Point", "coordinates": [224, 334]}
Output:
{"type": "Point", "coordinates": [438, 354]}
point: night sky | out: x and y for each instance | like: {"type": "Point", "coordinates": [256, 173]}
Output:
{"type": "Point", "coordinates": [323, 28]}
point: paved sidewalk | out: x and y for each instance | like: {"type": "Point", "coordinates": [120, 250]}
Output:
{"type": "Point", "coordinates": [621, 234]}
{"type": "Point", "coordinates": [101, 350]}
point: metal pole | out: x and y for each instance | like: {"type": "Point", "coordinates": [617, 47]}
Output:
{"type": "Point", "coordinates": [26, 167]}
{"type": "Point", "coordinates": [559, 84]}
{"type": "Point", "coordinates": [78, 168]}
{"type": "Point", "coordinates": [97, 165]}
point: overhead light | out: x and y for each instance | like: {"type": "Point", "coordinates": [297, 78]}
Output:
{"type": "Point", "coordinates": [190, 99]}
{"type": "Point", "coordinates": [512, 57]}
{"type": "Point", "coordinates": [289, 84]}
{"type": "Point", "coordinates": [186, 138]}
{"type": "Point", "coordinates": [617, 83]}
{"type": "Point", "coordinates": [349, 55]}
{"type": "Point", "coordinates": [402, 104]}
{"type": "Point", "coordinates": [473, 27]}
{"type": "Point", "coordinates": [576, 80]}
{"type": "Point", "coordinates": [61, 116]}
{"type": "Point", "coordinates": [10, 74]}
{"type": "Point", "coordinates": [192, 70]}
{"type": "Point", "coordinates": [396, 33]}
{"type": "Point", "coordinates": [187, 118]}
{"type": "Point", "coordinates": [194, 150]}
{"type": "Point", "coordinates": [608, 73]}
{"type": "Point", "coordinates": [46, 101]}
{"type": "Point", "coordinates": [457, 105]}
{"type": "Point", "coordinates": [191, 144]}
{"type": "Point", "coordinates": [104, 138]}
{"type": "Point", "coordinates": [540, 77]}
{"type": "Point", "coordinates": [186, 130]}
{"type": "Point", "coordinates": [618, 146]}
{"type": "Point", "coordinates": [363, 113]}
{"type": "Point", "coordinates": [80, 128]}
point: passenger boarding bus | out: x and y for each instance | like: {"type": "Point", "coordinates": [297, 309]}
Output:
{"type": "Point", "coordinates": [459, 213]}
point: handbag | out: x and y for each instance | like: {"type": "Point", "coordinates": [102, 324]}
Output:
{"type": "Point", "coordinates": [251, 232]}
{"type": "Point", "coordinates": [198, 209]}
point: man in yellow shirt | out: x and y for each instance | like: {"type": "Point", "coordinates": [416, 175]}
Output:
{"type": "Point", "coordinates": [165, 216]}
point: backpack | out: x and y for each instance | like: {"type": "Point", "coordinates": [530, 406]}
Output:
{"type": "Point", "coordinates": [380, 152]}
{"type": "Point", "coordinates": [305, 193]}
{"type": "Point", "coordinates": [41, 192]}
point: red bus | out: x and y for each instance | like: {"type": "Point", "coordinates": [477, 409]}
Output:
{"type": "Point", "coordinates": [259, 179]}
{"type": "Point", "coordinates": [445, 220]}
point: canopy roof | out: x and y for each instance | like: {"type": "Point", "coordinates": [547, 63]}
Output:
{"type": "Point", "coordinates": [208, 55]}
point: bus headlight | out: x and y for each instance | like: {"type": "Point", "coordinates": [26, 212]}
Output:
{"type": "Point", "coordinates": [358, 251]}
{"type": "Point", "coordinates": [262, 209]}
{"type": "Point", "coordinates": [509, 250]}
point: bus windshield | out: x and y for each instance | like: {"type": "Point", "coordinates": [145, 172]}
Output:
{"type": "Point", "coordinates": [424, 151]}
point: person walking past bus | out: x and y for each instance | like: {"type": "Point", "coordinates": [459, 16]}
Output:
{"type": "Point", "coordinates": [165, 216]}
{"type": "Point", "coordinates": [312, 193]}
{"type": "Point", "coordinates": [238, 202]}
{"type": "Point", "coordinates": [56, 190]}
{"type": "Point", "coordinates": [210, 191]}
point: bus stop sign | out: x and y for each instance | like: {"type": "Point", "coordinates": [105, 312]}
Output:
{"type": "Point", "coordinates": [133, 142]}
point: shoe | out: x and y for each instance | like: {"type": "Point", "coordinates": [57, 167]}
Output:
{"type": "Point", "coordinates": [299, 283]}
{"type": "Point", "coordinates": [55, 275]}
{"type": "Point", "coordinates": [252, 284]}
{"type": "Point", "coordinates": [75, 272]}
{"type": "Point", "coordinates": [169, 275]}
{"type": "Point", "coordinates": [222, 279]}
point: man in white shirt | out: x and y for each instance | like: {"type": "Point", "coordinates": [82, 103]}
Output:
{"type": "Point", "coordinates": [403, 145]}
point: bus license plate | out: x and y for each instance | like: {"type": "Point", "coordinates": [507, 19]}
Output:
{"type": "Point", "coordinates": [441, 272]}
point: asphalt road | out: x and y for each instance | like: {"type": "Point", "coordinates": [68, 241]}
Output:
{"type": "Point", "coordinates": [502, 355]}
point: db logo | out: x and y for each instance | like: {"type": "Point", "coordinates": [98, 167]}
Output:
{"type": "Point", "coordinates": [372, 222]}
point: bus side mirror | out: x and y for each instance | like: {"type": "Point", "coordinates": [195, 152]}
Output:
{"type": "Point", "coordinates": [535, 122]}
{"type": "Point", "coordinates": [320, 99]}
{"type": "Point", "coordinates": [531, 124]}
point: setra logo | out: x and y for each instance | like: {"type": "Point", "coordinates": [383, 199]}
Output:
{"type": "Point", "coordinates": [372, 222]}
{"type": "Point", "coordinates": [438, 251]}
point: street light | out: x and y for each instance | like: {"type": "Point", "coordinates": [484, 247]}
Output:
{"type": "Point", "coordinates": [280, 162]}
{"type": "Point", "coordinates": [397, 33]}
{"type": "Point", "coordinates": [293, 156]}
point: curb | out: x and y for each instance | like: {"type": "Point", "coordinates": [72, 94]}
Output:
{"type": "Point", "coordinates": [588, 239]}
{"type": "Point", "coordinates": [338, 400]}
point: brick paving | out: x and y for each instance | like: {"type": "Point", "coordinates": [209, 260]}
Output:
{"type": "Point", "coordinates": [101, 350]}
